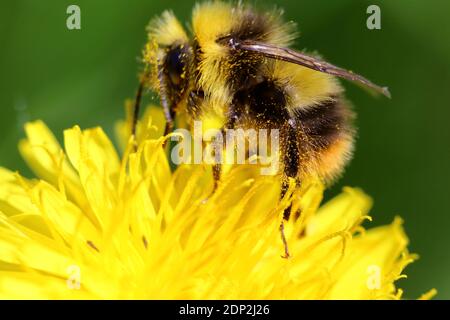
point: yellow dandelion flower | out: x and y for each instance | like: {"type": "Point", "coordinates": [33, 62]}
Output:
{"type": "Point", "coordinates": [95, 225]}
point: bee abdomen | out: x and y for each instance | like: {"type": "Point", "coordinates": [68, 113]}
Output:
{"type": "Point", "coordinates": [325, 138]}
{"type": "Point", "coordinates": [324, 123]}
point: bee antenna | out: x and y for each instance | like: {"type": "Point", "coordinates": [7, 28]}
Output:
{"type": "Point", "coordinates": [292, 56]}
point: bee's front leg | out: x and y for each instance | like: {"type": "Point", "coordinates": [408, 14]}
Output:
{"type": "Point", "coordinates": [290, 153]}
{"type": "Point", "coordinates": [136, 107]}
{"type": "Point", "coordinates": [217, 167]}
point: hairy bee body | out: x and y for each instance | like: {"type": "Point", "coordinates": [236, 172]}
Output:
{"type": "Point", "coordinates": [237, 71]}
{"type": "Point", "coordinates": [207, 78]}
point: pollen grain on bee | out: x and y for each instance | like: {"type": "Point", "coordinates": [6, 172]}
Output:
{"type": "Point", "coordinates": [227, 146]}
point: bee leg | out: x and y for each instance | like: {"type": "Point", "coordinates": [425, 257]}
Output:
{"type": "Point", "coordinates": [291, 161]}
{"type": "Point", "coordinates": [286, 215]}
{"type": "Point", "coordinates": [137, 107]}
{"type": "Point", "coordinates": [283, 239]}
{"type": "Point", "coordinates": [169, 112]}
{"type": "Point", "coordinates": [168, 128]}
{"type": "Point", "coordinates": [217, 167]}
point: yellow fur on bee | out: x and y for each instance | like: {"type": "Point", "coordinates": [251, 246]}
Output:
{"type": "Point", "coordinates": [212, 121]}
{"type": "Point", "coordinates": [332, 160]}
{"type": "Point", "coordinates": [214, 19]}
{"type": "Point", "coordinates": [305, 87]}
{"type": "Point", "coordinates": [166, 30]}
{"type": "Point", "coordinates": [150, 58]}
{"type": "Point", "coordinates": [209, 20]}
{"type": "Point", "coordinates": [212, 116]}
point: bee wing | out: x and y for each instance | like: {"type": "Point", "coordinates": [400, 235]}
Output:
{"type": "Point", "coordinates": [289, 55]}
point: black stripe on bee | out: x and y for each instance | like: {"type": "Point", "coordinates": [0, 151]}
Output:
{"type": "Point", "coordinates": [322, 124]}
{"type": "Point", "coordinates": [244, 65]}
{"type": "Point", "coordinates": [264, 102]}
{"type": "Point", "coordinates": [252, 26]}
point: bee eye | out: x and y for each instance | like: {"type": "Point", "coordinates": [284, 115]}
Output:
{"type": "Point", "coordinates": [175, 65]}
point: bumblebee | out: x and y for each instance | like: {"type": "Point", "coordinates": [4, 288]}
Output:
{"type": "Point", "coordinates": [237, 69]}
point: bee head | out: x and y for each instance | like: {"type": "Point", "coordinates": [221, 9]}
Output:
{"type": "Point", "coordinates": [176, 67]}
{"type": "Point", "coordinates": [169, 57]}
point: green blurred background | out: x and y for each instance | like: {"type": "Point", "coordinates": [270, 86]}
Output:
{"type": "Point", "coordinates": [403, 152]}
